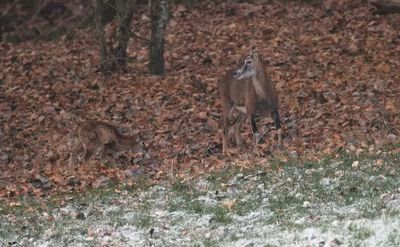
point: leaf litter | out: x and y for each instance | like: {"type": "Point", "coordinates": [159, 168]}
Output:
{"type": "Point", "coordinates": [336, 72]}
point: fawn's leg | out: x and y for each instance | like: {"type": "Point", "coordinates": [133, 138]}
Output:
{"type": "Point", "coordinates": [89, 151]}
{"type": "Point", "coordinates": [76, 149]}
{"type": "Point", "coordinates": [108, 151]}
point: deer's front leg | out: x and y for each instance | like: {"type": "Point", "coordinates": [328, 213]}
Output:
{"type": "Point", "coordinates": [256, 135]}
{"type": "Point", "coordinates": [225, 122]}
{"type": "Point", "coordinates": [251, 110]}
{"type": "Point", "coordinates": [236, 128]}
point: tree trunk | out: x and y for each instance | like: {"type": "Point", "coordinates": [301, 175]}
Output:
{"type": "Point", "coordinates": [386, 6]}
{"type": "Point", "coordinates": [114, 58]}
{"type": "Point", "coordinates": [99, 10]}
{"type": "Point", "coordinates": [159, 19]}
{"type": "Point", "coordinates": [124, 15]}
{"type": "Point", "coordinates": [189, 3]}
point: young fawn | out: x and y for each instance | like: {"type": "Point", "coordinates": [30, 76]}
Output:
{"type": "Point", "coordinates": [248, 89]}
{"type": "Point", "coordinates": [93, 136]}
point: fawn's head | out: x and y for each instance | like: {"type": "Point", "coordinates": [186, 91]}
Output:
{"type": "Point", "coordinates": [138, 144]}
{"type": "Point", "coordinates": [247, 66]}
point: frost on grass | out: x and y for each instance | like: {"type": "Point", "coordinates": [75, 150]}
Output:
{"type": "Point", "coordinates": [329, 204]}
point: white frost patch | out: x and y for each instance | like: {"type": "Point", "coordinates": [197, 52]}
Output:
{"type": "Point", "coordinates": [202, 186]}
{"type": "Point", "coordinates": [207, 200]}
{"type": "Point", "coordinates": [381, 232]}
{"type": "Point", "coordinates": [203, 221]}
{"type": "Point", "coordinates": [131, 234]}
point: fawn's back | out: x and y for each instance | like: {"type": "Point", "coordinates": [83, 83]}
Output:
{"type": "Point", "coordinates": [93, 136]}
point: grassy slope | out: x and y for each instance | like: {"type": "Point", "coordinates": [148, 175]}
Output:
{"type": "Point", "coordinates": [350, 200]}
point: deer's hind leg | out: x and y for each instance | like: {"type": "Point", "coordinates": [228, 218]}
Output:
{"type": "Point", "coordinates": [256, 136]}
{"type": "Point", "coordinates": [277, 123]}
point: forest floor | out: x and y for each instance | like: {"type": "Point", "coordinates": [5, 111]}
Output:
{"type": "Point", "coordinates": [335, 70]}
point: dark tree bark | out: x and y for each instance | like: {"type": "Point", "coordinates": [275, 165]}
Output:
{"type": "Point", "coordinates": [159, 19]}
{"type": "Point", "coordinates": [189, 3]}
{"type": "Point", "coordinates": [124, 16]}
{"type": "Point", "coordinates": [114, 58]}
{"type": "Point", "coordinates": [99, 11]}
{"type": "Point", "coordinates": [386, 6]}
{"type": "Point", "coordinates": [1, 26]}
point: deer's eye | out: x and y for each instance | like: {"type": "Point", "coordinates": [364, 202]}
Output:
{"type": "Point", "coordinates": [249, 62]}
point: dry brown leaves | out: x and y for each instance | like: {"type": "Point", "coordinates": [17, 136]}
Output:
{"type": "Point", "coordinates": [336, 72]}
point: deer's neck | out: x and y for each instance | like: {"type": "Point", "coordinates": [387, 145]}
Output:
{"type": "Point", "coordinates": [258, 86]}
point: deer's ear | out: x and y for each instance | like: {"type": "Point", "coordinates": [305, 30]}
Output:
{"type": "Point", "coordinates": [255, 56]}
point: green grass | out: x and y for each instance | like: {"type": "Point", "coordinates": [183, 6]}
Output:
{"type": "Point", "coordinates": [359, 232]}
{"type": "Point", "coordinates": [244, 207]}
{"type": "Point", "coordinates": [143, 219]}
{"type": "Point", "coordinates": [210, 243]}
{"type": "Point", "coordinates": [184, 198]}
{"type": "Point", "coordinates": [292, 183]}
{"type": "Point", "coordinates": [394, 238]}
{"type": "Point", "coordinates": [220, 215]}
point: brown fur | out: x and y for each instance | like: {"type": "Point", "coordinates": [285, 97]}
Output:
{"type": "Point", "coordinates": [92, 136]}
{"type": "Point", "coordinates": [244, 94]}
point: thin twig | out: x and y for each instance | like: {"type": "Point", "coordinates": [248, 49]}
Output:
{"type": "Point", "coordinates": [40, 6]}
{"type": "Point", "coordinates": [261, 136]}
{"type": "Point", "coordinates": [53, 28]}
{"type": "Point", "coordinates": [12, 5]}
{"type": "Point", "coordinates": [132, 34]}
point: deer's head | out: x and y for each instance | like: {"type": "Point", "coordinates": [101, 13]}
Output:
{"type": "Point", "coordinates": [138, 144]}
{"type": "Point", "coordinates": [247, 67]}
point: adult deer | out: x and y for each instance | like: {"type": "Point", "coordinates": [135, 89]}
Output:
{"type": "Point", "coordinates": [248, 89]}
